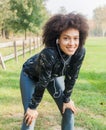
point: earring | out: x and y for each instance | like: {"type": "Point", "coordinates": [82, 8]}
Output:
{"type": "Point", "coordinates": [57, 41]}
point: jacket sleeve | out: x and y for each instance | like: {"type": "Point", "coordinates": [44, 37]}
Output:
{"type": "Point", "coordinates": [46, 61]}
{"type": "Point", "coordinates": [72, 73]}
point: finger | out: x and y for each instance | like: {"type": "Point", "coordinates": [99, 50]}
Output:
{"type": "Point", "coordinates": [29, 121]}
{"type": "Point", "coordinates": [73, 109]}
{"type": "Point", "coordinates": [26, 115]}
{"type": "Point", "coordinates": [26, 118]}
{"type": "Point", "coordinates": [63, 109]}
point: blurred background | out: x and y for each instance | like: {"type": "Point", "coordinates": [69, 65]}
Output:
{"type": "Point", "coordinates": [27, 17]}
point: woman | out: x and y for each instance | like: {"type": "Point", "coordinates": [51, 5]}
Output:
{"type": "Point", "coordinates": [56, 68]}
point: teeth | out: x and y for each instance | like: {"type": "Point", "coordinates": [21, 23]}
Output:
{"type": "Point", "coordinates": [70, 49]}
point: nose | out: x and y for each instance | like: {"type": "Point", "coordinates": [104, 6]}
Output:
{"type": "Point", "coordinates": [71, 42]}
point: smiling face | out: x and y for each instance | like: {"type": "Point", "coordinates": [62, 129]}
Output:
{"type": "Point", "coordinates": [69, 41]}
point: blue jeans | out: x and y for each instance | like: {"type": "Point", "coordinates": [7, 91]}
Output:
{"type": "Point", "coordinates": [55, 88]}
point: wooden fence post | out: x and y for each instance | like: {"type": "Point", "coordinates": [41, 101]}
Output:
{"type": "Point", "coordinates": [30, 46]}
{"type": "Point", "coordinates": [2, 62]}
{"type": "Point", "coordinates": [34, 44]}
{"type": "Point", "coordinates": [15, 51]}
{"type": "Point", "coordinates": [40, 41]}
{"type": "Point", "coordinates": [37, 41]}
{"type": "Point", "coordinates": [23, 49]}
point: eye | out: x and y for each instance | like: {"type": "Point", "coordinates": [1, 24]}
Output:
{"type": "Point", "coordinates": [76, 38]}
{"type": "Point", "coordinates": [66, 38]}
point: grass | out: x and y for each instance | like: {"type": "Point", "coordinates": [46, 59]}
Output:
{"type": "Point", "coordinates": [89, 94]}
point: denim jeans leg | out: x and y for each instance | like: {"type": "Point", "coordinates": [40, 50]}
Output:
{"type": "Point", "coordinates": [56, 88]}
{"type": "Point", "coordinates": [27, 88]}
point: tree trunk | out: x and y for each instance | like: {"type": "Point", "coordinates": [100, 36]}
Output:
{"type": "Point", "coordinates": [3, 33]}
{"type": "Point", "coordinates": [6, 34]}
{"type": "Point", "coordinates": [25, 34]}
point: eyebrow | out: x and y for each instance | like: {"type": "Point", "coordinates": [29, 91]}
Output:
{"type": "Point", "coordinates": [69, 35]}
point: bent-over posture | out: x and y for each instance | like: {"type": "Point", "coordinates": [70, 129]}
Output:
{"type": "Point", "coordinates": [55, 68]}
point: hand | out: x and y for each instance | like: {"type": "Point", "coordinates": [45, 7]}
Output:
{"type": "Point", "coordinates": [70, 105]}
{"type": "Point", "coordinates": [30, 115]}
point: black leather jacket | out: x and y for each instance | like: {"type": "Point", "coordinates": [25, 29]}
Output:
{"type": "Point", "coordinates": [51, 63]}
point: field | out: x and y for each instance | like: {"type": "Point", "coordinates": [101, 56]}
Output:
{"type": "Point", "coordinates": [89, 94]}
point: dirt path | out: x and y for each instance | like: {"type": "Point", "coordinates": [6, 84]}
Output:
{"type": "Point", "coordinates": [59, 128]}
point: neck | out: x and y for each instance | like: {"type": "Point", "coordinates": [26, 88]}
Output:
{"type": "Point", "coordinates": [63, 56]}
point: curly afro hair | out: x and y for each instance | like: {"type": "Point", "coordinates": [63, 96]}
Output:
{"type": "Point", "coordinates": [59, 23]}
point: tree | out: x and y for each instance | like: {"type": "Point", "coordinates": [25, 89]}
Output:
{"type": "Point", "coordinates": [100, 19]}
{"type": "Point", "coordinates": [27, 15]}
{"type": "Point", "coordinates": [5, 14]}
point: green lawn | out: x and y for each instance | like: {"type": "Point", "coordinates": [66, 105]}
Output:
{"type": "Point", "coordinates": [89, 94]}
